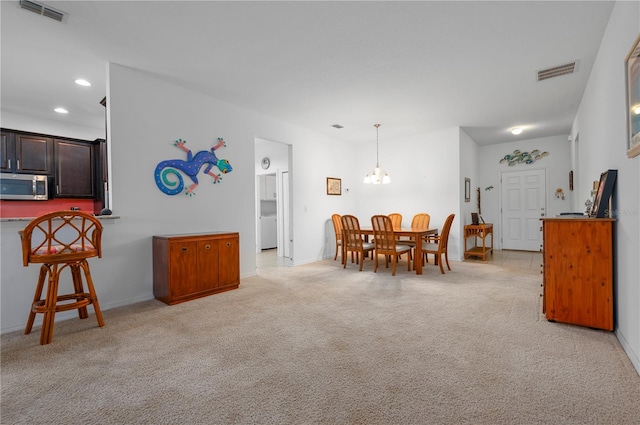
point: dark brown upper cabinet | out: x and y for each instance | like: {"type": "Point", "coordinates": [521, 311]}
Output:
{"type": "Point", "coordinates": [26, 154]}
{"type": "Point", "coordinates": [75, 169]}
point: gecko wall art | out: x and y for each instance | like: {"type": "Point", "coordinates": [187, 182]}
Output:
{"type": "Point", "coordinates": [168, 173]}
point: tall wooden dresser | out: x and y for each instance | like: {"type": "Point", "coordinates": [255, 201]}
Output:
{"type": "Point", "coordinates": [578, 271]}
{"type": "Point", "coordinates": [188, 266]}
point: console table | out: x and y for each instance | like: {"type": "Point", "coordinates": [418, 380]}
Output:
{"type": "Point", "coordinates": [476, 231]}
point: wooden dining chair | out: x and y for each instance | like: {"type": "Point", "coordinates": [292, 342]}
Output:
{"type": "Point", "coordinates": [384, 240]}
{"type": "Point", "coordinates": [61, 240]}
{"type": "Point", "coordinates": [438, 245]}
{"type": "Point", "coordinates": [337, 227]}
{"type": "Point", "coordinates": [396, 219]}
{"type": "Point", "coordinates": [419, 220]}
{"type": "Point", "coordinates": [352, 240]}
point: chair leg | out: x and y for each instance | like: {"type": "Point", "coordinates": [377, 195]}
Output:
{"type": "Point", "coordinates": [446, 257]}
{"type": "Point", "coordinates": [335, 257]}
{"type": "Point", "coordinates": [394, 260]}
{"type": "Point", "coordinates": [440, 263]}
{"type": "Point", "coordinates": [48, 321]}
{"type": "Point", "coordinates": [37, 297]}
{"type": "Point", "coordinates": [92, 293]}
{"type": "Point", "coordinates": [409, 262]}
{"type": "Point", "coordinates": [78, 288]}
{"type": "Point", "coordinates": [375, 262]}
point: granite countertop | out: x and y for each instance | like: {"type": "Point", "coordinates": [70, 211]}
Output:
{"type": "Point", "coordinates": [99, 217]}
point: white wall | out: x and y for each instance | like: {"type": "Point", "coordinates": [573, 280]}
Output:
{"type": "Point", "coordinates": [425, 177]}
{"type": "Point", "coordinates": [146, 114]}
{"type": "Point", "coordinates": [557, 166]}
{"type": "Point", "coordinates": [600, 124]}
{"type": "Point", "coordinates": [470, 166]}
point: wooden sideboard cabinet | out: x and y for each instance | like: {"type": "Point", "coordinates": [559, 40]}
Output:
{"type": "Point", "coordinates": [578, 271]}
{"type": "Point", "coordinates": [188, 266]}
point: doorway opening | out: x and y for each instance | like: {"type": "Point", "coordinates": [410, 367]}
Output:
{"type": "Point", "coordinates": [274, 243]}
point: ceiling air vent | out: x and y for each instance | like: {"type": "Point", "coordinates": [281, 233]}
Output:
{"type": "Point", "coordinates": [43, 10]}
{"type": "Point", "coordinates": [557, 71]}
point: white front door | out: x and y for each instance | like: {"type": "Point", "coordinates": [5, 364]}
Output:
{"type": "Point", "coordinates": [523, 203]}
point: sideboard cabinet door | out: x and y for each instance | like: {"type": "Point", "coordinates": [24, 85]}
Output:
{"type": "Point", "coordinates": [190, 266]}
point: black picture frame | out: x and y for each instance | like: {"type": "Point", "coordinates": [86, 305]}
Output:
{"type": "Point", "coordinates": [467, 189]}
{"type": "Point", "coordinates": [600, 208]}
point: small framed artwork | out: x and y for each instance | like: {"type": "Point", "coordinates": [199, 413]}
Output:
{"type": "Point", "coordinates": [571, 180]}
{"type": "Point", "coordinates": [600, 208]}
{"type": "Point", "coordinates": [632, 74]}
{"type": "Point", "coordinates": [467, 189]}
{"type": "Point", "coordinates": [334, 186]}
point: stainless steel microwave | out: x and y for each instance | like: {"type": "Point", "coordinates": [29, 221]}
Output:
{"type": "Point", "coordinates": [23, 187]}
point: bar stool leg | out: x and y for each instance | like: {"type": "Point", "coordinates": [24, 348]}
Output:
{"type": "Point", "coordinates": [78, 288]}
{"type": "Point", "coordinates": [37, 297]}
{"type": "Point", "coordinates": [46, 334]}
{"type": "Point", "coordinates": [92, 293]}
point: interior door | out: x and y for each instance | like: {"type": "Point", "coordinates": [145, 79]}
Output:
{"type": "Point", "coordinates": [522, 205]}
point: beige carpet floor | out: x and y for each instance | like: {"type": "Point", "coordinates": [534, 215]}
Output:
{"type": "Point", "coordinates": [317, 344]}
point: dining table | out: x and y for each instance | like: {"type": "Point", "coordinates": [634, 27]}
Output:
{"type": "Point", "coordinates": [417, 234]}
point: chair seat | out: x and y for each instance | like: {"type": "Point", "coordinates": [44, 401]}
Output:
{"type": "Point", "coordinates": [367, 245]}
{"type": "Point", "coordinates": [427, 246]}
{"type": "Point", "coordinates": [59, 249]}
{"type": "Point", "coordinates": [402, 248]}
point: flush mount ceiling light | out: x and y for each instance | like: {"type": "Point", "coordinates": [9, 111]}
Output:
{"type": "Point", "coordinates": [61, 111]}
{"type": "Point", "coordinates": [83, 82]}
{"type": "Point", "coordinates": [516, 130]}
{"type": "Point", "coordinates": [378, 176]}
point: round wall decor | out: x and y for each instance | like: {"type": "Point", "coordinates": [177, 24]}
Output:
{"type": "Point", "coordinates": [266, 162]}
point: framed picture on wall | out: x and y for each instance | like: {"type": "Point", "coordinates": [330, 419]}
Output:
{"type": "Point", "coordinates": [467, 189]}
{"type": "Point", "coordinates": [632, 74]}
{"type": "Point", "coordinates": [334, 186]}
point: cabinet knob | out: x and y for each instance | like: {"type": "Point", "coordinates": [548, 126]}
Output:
{"type": "Point", "coordinates": [207, 247]}
{"type": "Point", "coordinates": [184, 249]}
{"type": "Point", "coordinates": [228, 244]}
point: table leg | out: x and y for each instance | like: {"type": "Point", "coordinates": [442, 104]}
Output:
{"type": "Point", "coordinates": [417, 258]}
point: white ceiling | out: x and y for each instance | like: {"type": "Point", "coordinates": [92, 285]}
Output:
{"type": "Point", "coordinates": [414, 67]}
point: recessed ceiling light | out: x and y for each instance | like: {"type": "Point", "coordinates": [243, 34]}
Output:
{"type": "Point", "coordinates": [61, 111]}
{"type": "Point", "coordinates": [516, 130]}
{"type": "Point", "coordinates": [338, 126]}
{"type": "Point", "coordinates": [82, 82]}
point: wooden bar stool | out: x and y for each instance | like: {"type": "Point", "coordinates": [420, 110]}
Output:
{"type": "Point", "coordinates": [60, 240]}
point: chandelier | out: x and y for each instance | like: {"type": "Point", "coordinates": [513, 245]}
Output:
{"type": "Point", "coordinates": [378, 176]}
